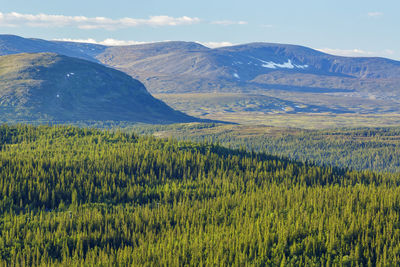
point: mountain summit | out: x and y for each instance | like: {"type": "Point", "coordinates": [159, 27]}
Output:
{"type": "Point", "coordinates": [51, 87]}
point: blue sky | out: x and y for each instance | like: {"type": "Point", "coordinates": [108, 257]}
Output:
{"type": "Point", "coordinates": [356, 28]}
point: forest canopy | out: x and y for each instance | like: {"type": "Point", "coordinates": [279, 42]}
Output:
{"type": "Point", "coordinates": [83, 196]}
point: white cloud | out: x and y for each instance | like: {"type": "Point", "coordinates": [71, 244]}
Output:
{"type": "Point", "coordinates": [15, 19]}
{"type": "Point", "coordinates": [374, 14]}
{"type": "Point", "coordinates": [107, 42]}
{"type": "Point", "coordinates": [357, 52]}
{"type": "Point", "coordinates": [346, 52]}
{"type": "Point", "coordinates": [215, 44]}
{"type": "Point", "coordinates": [114, 42]}
{"type": "Point", "coordinates": [89, 40]}
{"type": "Point", "coordinates": [229, 22]}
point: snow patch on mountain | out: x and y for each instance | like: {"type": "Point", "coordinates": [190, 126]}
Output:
{"type": "Point", "coordinates": [285, 65]}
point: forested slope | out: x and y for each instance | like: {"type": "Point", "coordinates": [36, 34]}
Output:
{"type": "Point", "coordinates": [81, 196]}
{"type": "Point", "coordinates": [374, 148]}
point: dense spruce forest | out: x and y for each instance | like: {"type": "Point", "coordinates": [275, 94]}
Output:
{"type": "Point", "coordinates": [76, 196]}
{"type": "Point", "coordinates": [376, 149]}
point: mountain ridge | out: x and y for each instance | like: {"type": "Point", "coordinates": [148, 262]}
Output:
{"type": "Point", "coordinates": [246, 62]}
{"type": "Point", "coordinates": [13, 44]}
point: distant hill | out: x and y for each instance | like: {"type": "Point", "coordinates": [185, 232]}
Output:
{"type": "Point", "coordinates": [51, 87]}
{"type": "Point", "coordinates": [304, 79]}
{"type": "Point", "coordinates": [309, 79]}
{"type": "Point", "coordinates": [12, 44]}
{"type": "Point", "coordinates": [253, 66]}
{"type": "Point", "coordinates": [187, 66]}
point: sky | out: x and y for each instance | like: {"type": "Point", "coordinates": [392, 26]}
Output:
{"type": "Point", "coordinates": [349, 28]}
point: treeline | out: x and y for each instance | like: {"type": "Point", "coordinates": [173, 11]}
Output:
{"type": "Point", "coordinates": [89, 197]}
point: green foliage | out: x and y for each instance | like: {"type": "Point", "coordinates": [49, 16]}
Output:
{"type": "Point", "coordinates": [89, 197]}
{"type": "Point", "coordinates": [375, 149]}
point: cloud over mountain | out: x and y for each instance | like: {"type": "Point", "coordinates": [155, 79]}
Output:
{"type": "Point", "coordinates": [357, 52]}
{"type": "Point", "coordinates": [15, 19]}
{"type": "Point", "coordinates": [107, 42]}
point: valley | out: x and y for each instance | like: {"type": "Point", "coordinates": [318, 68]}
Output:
{"type": "Point", "coordinates": [252, 109]}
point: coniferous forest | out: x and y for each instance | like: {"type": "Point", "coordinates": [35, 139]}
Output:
{"type": "Point", "coordinates": [365, 148]}
{"type": "Point", "coordinates": [77, 196]}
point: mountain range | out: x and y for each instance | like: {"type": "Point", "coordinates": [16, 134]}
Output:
{"type": "Point", "coordinates": [262, 65]}
{"type": "Point", "coordinates": [304, 79]}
